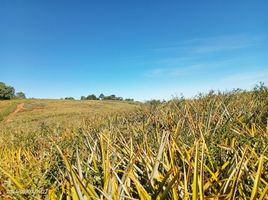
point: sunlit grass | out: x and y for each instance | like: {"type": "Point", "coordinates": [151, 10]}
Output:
{"type": "Point", "coordinates": [6, 110]}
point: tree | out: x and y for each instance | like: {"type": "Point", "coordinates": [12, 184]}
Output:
{"type": "Point", "coordinates": [129, 99]}
{"type": "Point", "coordinates": [92, 97]}
{"type": "Point", "coordinates": [113, 97]}
{"type": "Point", "coordinates": [101, 97]}
{"type": "Point", "coordinates": [69, 98]}
{"type": "Point", "coordinates": [119, 98]}
{"type": "Point", "coordinates": [83, 98]}
{"type": "Point", "coordinates": [6, 92]}
{"type": "Point", "coordinates": [20, 95]}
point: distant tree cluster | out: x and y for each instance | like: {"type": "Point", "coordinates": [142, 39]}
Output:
{"type": "Point", "coordinates": [20, 95]}
{"type": "Point", "coordinates": [8, 92]}
{"type": "Point", "coordinates": [90, 97]}
{"type": "Point", "coordinates": [69, 98]}
{"type": "Point", "coordinates": [103, 97]}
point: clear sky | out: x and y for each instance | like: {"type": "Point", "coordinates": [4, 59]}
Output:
{"type": "Point", "coordinates": [132, 48]}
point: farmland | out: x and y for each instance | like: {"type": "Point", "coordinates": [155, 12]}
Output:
{"type": "Point", "coordinates": [213, 146]}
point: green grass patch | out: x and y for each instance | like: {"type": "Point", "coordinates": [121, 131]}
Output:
{"type": "Point", "coordinates": [6, 111]}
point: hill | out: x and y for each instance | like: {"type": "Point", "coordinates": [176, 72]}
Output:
{"type": "Point", "coordinates": [30, 113]}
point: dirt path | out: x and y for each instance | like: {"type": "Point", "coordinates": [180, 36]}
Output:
{"type": "Point", "coordinates": [11, 115]}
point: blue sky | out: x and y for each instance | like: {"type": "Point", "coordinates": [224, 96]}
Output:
{"type": "Point", "coordinates": [140, 49]}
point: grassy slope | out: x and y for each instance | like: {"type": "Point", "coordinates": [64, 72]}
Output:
{"type": "Point", "coordinates": [64, 112]}
{"type": "Point", "coordinates": [6, 108]}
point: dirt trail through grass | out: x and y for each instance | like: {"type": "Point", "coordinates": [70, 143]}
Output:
{"type": "Point", "coordinates": [11, 115]}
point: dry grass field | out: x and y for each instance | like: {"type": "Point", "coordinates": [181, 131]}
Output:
{"type": "Point", "coordinates": [63, 112]}
{"type": "Point", "coordinates": [211, 147]}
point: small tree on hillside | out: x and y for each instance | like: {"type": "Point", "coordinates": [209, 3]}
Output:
{"type": "Point", "coordinates": [20, 95]}
{"type": "Point", "coordinates": [119, 98]}
{"type": "Point", "coordinates": [129, 99]}
{"type": "Point", "coordinates": [83, 98]}
{"type": "Point", "coordinates": [101, 97]}
{"type": "Point", "coordinates": [92, 97]}
{"type": "Point", "coordinates": [69, 98]}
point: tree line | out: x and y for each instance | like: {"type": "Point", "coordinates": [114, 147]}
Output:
{"type": "Point", "coordinates": [8, 92]}
{"type": "Point", "coordinates": [103, 97]}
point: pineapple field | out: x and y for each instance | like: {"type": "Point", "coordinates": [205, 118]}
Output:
{"type": "Point", "coordinates": [212, 146]}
